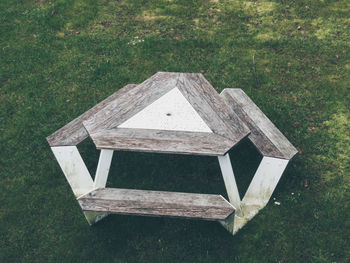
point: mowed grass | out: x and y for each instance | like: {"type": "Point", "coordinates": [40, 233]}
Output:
{"type": "Point", "coordinates": [59, 58]}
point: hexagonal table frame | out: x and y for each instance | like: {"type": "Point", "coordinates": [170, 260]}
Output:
{"type": "Point", "coordinates": [118, 123]}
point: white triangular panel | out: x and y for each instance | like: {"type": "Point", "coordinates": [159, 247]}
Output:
{"type": "Point", "coordinates": [170, 112]}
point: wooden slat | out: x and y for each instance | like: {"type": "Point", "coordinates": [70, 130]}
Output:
{"type": "Point", "coordinates": [211, 107]}
{"type": "Point", "coordinates": [146, 140]}
{"type": "Point", "coordinates": [157, 203]}
{"type": "Point", "coordinates": [264, 134]}
{"type": "Point", "coordinates": [132, 102]}
{"type": "Point", "coordinates": [74, 132]}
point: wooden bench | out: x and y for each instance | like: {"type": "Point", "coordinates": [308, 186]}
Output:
{"type": "Point", "coordinates": [156, 203]}
{"type": "Point", "coordinates": [264, 135]}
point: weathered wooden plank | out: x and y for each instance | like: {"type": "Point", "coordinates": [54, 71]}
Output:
{"type": "Point", "coordinates": [157, 203]}
{"type": "Point", "coordinates": [161, 141]}
{"type": "Point", "coordinates": [265, 136]}
{"type": "Point", "coordinates": [74, 132]}
{"type": "Point", "coordinates": [132, 102]}
{"type": "Point", "coordinates": [257, 137]}
{"type": "Point", "coordinates": [211, 107]}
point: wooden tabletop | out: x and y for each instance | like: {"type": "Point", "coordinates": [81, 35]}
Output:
{"type": "Point", "coordinates": [168, 113]}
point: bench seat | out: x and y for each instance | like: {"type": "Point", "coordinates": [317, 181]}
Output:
{"type": "Point", "coordinates": [269, 141]}
{"type": "Point", "coordinates": [157, 203]}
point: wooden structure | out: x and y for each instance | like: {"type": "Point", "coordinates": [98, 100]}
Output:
{"type": "Point", "coordinates": [139, 202]}
{"type": "Point", "coordinates": [172, 113]}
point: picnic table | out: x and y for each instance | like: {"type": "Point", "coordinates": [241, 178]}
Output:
{"type": "Point", "coordinates": [178, 113]}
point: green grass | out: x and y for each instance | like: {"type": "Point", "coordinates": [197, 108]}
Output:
{"type": "Point", "coordinates": [59, 58]}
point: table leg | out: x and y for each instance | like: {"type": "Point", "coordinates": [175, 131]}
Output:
{"type": "Point", "coordinates": [230, 183]}
{"type": "Point", "coordinates": [258, 193]}
{"type": "Point", "coordinates": [104, 163]}
{"type": "Point", "coordinates": [78, 175]}
{"type": "Point", "coordinates": [74, 169]}
{"type": "Point", "coordinates": [264, 181]}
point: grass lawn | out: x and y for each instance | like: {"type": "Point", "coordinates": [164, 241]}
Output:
{"type": "Point", "coordinates": [59, 58]}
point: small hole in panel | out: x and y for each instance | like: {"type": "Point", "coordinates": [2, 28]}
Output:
{"type": "Point", "coordinates": [168, 114]}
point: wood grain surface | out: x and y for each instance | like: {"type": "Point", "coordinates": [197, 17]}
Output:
{"type": "Point", "coordinates": [157, 203]}
{"type": "Point", "coordinates": [130, 103]}
{"type": "Point", "coordinates": [212, 108]}
{"type": "Point", "coordinates": [146, 140]}
{"type": "Point", "coordinates": [74, 132]}
{"type": "Point", "coordinates": [227, 127]}
{"type": "Point", "coordinates": [264, 134]}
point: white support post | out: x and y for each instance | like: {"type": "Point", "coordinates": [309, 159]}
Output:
{"type": "Point", "coordinates": [74, 169]}
{"type": "Point", "coordinates": [77, 175]}
{"type": "Point", "coordinates": [265, 181]}
{"type": "Point", "coordinates": [230, 182]}
{"type": "Point", "coordinates": [104, 163]}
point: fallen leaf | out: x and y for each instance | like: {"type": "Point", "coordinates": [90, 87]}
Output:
{"type": "Point", "coordinates": [77, 32]}
{"type": "Point", "coordinates": [299, 27]}
{"type": "Point", "coordinates": [310, 118]}
{"type": "Point", "coordinates": [306, 184]}
{"type": "Point", "coordinates": [299, 150]}
{"type": "Point", "coordinates": [296, 124]}
{"type": "Point", "coordinates": [53, 12]}
{"type": "Point", "coordinates": [35, 35]}
{"type": "Point", "coordinates": [312, 128]}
